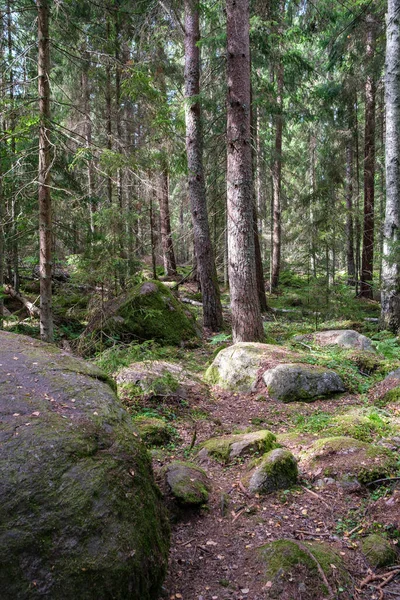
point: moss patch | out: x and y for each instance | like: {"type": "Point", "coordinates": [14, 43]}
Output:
{"type": "Point", "coordinates": [153, 431]}
{"type": "Point", "coordinates": [277, 470]}
{"type": "Point", "coordinates": [229, 447]}
{"type": "Point", "coordinates": [188, 483]}
{"type": "Point", "coordinates": [378, 551]}
{"type": "Point", "coordinates": [292, 569]}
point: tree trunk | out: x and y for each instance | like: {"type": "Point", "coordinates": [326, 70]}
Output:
{"type": "Point", "coordinates": [277, 176]}
{"type": "Point", "coordinates": [45, 218]}
{"type": "Point", "coordinates": [257, 245]}
{"type": "Point", "coordinates": [166, 235]}
{"type": "Point", "coordinates": [246, 316]}
{"type": "Point", "coordinates": [369, 170]}
{"type": "Point", "coordinates": [88, 139]}
{"type": "Point", "coordinates": [108, 110]}
{"type": "Point", "coordinates": [390, 315]}
{"type": "Point", "coordinates": [212, 309]}
{"type": "Point", "coordinates": [14, 201]}
{"type": "Point", "coordinates": [349, 206]}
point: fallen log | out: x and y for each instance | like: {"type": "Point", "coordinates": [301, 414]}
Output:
{"type": "Point", "coordinates": [33, 310]}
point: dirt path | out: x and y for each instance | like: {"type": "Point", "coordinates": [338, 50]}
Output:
{"type": "Point", "coordinates": [215, 551]}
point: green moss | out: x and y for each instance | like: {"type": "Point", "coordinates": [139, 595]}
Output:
{"type": "Point", "coordinates": [287, 565]}
{"type": "Point", "coordinates": [153, 431]}
{"type": "Point", "coordinates": [360, 425]}
{"type": "Point", "coordinates": [276, 470]}
{"type": "Point", "coordinates": [378, 551]}
{"type": "Point", "coordinates": [188, 483]}
{"type": "Point", "coordinates": [392, 396]}
{"type": "Point", "coordinates": [229, 447]}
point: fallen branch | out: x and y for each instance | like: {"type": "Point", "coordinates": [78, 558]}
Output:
{"type": "Point", "coordinates": [317, 496]}
{"type": "Point", "coordinates": [320, 569]}
{"type": "Point", "coordinates": [33, 310]}
{"type": "Point", "coordinates": [383, 480]}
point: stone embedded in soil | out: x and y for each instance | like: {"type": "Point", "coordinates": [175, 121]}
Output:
{"type": "Point", "coordinates": [153, 431]}
{"type": "Point", "coordinates": [393, 375]}
{"type": "Point", "coordinates": [345, 338]}
{"type": "Point", "coordinates": [292, 570]}
{"type": "Point", "coordinates": [80, 513]}
{"type": "Point", "coordinates": [378, 551]}
{"type": "Point", "coordinates": [159, 378]}
{"type": "Point", "coordinates": [188, 483]}
{"type": "Point", "coordinates": [277, 470]}
{"type": "Point", "coordinates": [300, 383]}
{"type": "Point", "coordinates": [347, 460]}
{"type": "Point", "coordinates": [229, 447]}
{"type": "Point", "coordinates": [236, 367]}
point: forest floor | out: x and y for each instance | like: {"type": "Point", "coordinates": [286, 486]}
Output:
{"type": "Point", "coordinates": [215, 549]}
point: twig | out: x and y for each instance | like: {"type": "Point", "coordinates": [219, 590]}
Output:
{"type": "Point", "coordinates": [317, 496]}
{"type": "Point", "coordinates": [312, 533]}
{"type": "Point", "coordinates": [320, 569]}
{"type": "Point", "coordinates": [194, 436]}
{"type": "Point", "coordinates": [383, 480]}
{"type": "Point", "coordinates": [243, 490]}
{"type": "Point", "coordinates": [186, 543]}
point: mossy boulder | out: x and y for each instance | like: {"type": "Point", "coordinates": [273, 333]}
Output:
{"type": "Point", "coordinates": [347, 459]}
{"type": "Point", "coordinates": [149, 311]}
{"type": "Point", "coordinates": [301, 383]}
{"type": "Point", "coordinates": [292, 570]}
{"type": "Point", "coordinates": [188, 483]}
{"type": "Point", "coordinates": [229, 447]}
{"type": "Point", "coordinates": [378, 551]}
{"type": "Point", "coordinates": [236, 367]}
{"type": "Point", "coordinates": [160, 378]}
{"type": "Point", "coordinates": [153, 431]}
{"type": "Point", "coordinates": [276, 470]}
{"type": "Point", "coordinates": [361, 424]}
{"type": "Point", "coordinates": [345, 338]}
{"type": "Point", "coordinates": [80, 515]}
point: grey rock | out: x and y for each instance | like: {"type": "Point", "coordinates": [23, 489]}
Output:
{"type": "Point", "coordinates": [79, 511]}
{"type": "Point", "coordinates": [277, 470]}
{"type": "Point", "coordinates": [295, 382]}
{"type": "Point", "coordinates": [345, 338]}
{"type": "Point", "coordinates": [188, 483]}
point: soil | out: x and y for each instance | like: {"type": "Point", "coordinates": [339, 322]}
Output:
{"type": "Point", "coordinates": [214, 551]}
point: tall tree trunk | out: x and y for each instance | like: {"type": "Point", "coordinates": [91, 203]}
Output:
{"type": "Point", "coordinates": [277, 176]}
{"type": "Point", "coordinates": [390, 315]}
{"type": "Point", "coordinates": [88, 138]}
{"type": "Point", "coordinates": [349, 205]}
{"type": "Point", "coordinates": [108, 109]}
{"type": "Point", "coordinates": [14, 201]}
{"type": "Point", "coordinates": [212, 309]}
{"type": "Point", "coordinates": [2, 203]}
{"type": "Point", "coordinates": [165, 229]}
{"type": "Point", "coordinates": [257, 246]}
{"type": "Point", "coordinates": [369, 169]}
{"type": "Point", "coordinates": [246, 316]}
{"type": "Point", "coordinates": [45, 218]}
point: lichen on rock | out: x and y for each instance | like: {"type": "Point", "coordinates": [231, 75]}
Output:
{"type": "Point", "coordinates": [292, 570]}
{"type": "Point", "coordinates": [229, 447]}
{"type": "Point", "coordinates": [149, 311]}
{"type": "Point", "coordinates": [295, 382]}
{"type": "Point", "coordinates": [276, 470]}
{"type": "Point", "coordinates": [188, 483]}
{"type": "Point", "coordinates": [80, 514]}
{"type": "Point", "coordinates": [378, 551]}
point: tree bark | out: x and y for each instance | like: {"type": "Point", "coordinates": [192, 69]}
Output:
{"type": "Point", "coordinates": [369, 169]}
{"type": "Point", "coordinates": [165, 225]}
{"type": "Point", "coordinates": [45, 217]}
{"type": "Point", "coordinates": [88, 138]}
{"type": "Point", "coordinates": [390, 315]}
{"type": "Point", "coordinates": [246, 316]}
{"type": "Point", "coordinates": [349, 205]}
{"type": "Point", "coordinates": [212, 309]}
{"type": "Point", "coordinates": [277, 175]}
{"type": "Point", "coordinates": [14, 201]}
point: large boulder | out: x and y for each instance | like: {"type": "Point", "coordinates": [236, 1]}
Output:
{"type": "Point", "coordinates": [237, 367]}
{"type": "Point", "coordinates": [80, 515]}
{"type": "Point", "coordinates": [149, 311]}
{"type": "Point", "coordinates": [160, 378]}
{"type": "Point", "coordinates": [346, 460]}
{"type": "Point", "coordinates": [295, 382]}
{"type": "Point", "coordinates": [378, 551]}
{"type": "Point", "coordinates": [345, 338]}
